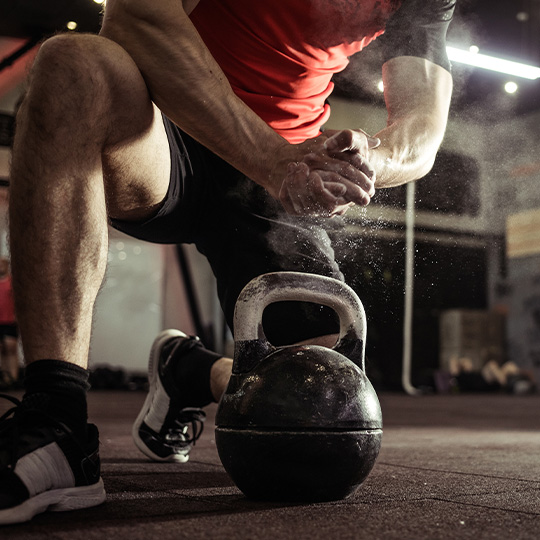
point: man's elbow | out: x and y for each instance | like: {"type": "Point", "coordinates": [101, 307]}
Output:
{"type": "Point", "coordinates": [424, 167]}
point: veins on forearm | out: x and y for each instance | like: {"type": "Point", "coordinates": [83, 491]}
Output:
{"type": "Point", "coordinates": [407, 151]}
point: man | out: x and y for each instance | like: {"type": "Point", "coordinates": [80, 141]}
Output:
{"type": "Point", "coordinates": [246, 84]}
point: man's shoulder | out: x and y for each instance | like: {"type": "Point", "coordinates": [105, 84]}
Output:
{"type": "Point", "coordinates": [418, 28]}
{"type": "Point", "coordinates": [431, 10]}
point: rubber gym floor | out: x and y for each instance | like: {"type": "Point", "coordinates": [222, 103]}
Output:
{"type": "Point", "coordinates": [450, 467]}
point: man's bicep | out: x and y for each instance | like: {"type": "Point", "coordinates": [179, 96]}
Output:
{"type": "Point", "coordinates": [417, 94]}
{"type": "Point", "coordinates": [418, 28]}
{"type": "Point", "coordinates": [416, 85]}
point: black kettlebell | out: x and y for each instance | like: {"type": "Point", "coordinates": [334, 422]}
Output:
{"type": "Point", "coordinates": [298, 423]}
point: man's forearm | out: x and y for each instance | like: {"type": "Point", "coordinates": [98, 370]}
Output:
{"type": "Point", "coordinates": [407, 151]}
{"type": "Point", "coordinates": [418, 102]}
{"type": "Point", "coordinates": [187, 84]}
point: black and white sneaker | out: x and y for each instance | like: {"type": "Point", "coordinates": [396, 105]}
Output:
{"type": "Point", "coordinates": [43, 467]}
{"type": "Point", "coordinates": [162, 429]}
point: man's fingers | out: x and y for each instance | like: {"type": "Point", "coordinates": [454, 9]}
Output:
{"type": "Point", "coordinates": [348, 140]}
{"type": "Point", "coordinates": [330, 177]}
{"type": "Point", "coordinates": [340, 210]}
{"type": "Point", "coordinates": [335, 188]}
{"type": "Point", "coordinates": [358, 162]}
{"type": "Point", "coordinates": [324, 190]}
{"type": "Point", "coordinates": [305, 193]}
{"type": "Point", "coordinates": [327, 195]}
{"type": "Point", "coordinates": [359, 188]}
{"type": "Point", "coordinates": [354, 193]}
{"type": "Point", "coordinates": [360, 171]}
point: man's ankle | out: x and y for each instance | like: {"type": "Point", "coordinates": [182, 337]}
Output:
{"type": "Point", "coordinates": [60, 389]}
{"type": "Point", "coordinates": [191, 374]}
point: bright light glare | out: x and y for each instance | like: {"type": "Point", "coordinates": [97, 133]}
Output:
{"type": "Point", "coordinates": [99, 1]}
{"type": "Point", "coordinates": [71, 25]}
{"type": "Point", "coordinates": [474, 49]}
{"type": "Point", "coordinates": [511, 87]}
{"type": "Point", "coordinates": [494, 64]}
{"type": "Point", "coordinates": [380, 86]}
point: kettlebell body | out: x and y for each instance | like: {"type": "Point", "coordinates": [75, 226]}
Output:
{"type": "Point", "coordinates": [299, 423]}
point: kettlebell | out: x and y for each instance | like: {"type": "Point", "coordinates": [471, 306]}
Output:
{"type": "Point", "coordinates": [302, 422]}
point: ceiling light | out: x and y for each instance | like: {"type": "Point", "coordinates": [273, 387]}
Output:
{"type": "Point", "coordinates": [474, 49]}
{"type": "Point", "coordinates": [380, 86]}
{"type": "Point", "coordinates": [494, 64]}
{"type": "Point", "coordinates": [71, 25]}
{"type": "Point", "coordinates": [511, 87]}
{"type": "Point", "coordinates": [99, 1]}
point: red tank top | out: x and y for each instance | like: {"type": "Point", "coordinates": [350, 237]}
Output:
{"type": "Point", "coordinates": [280, 61]}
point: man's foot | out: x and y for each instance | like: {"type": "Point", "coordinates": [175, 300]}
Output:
{"type": "Point", "coordinates": [161, 429]}
{"type": "Point", "coordinates": [43, 466]}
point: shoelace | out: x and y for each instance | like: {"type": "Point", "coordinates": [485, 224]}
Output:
{"type": "Point", "coordinates": [23, 409]}
{"type": "Point", "coordinates": [184, 345]}
{"type": "Point", "coordinates": [176, 434]}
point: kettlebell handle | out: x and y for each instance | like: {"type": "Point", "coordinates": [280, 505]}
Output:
{"type": "Point", "coordinates": [302, 287]}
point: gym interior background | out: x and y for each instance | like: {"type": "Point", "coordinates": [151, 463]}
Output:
{"type": "Point", "coordinates": [457, 462]}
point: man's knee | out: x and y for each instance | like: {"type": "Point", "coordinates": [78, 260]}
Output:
{"type": "Point", "coordinates": [84, 74]}
{"type": "Point", "coordinates": [67, 65]}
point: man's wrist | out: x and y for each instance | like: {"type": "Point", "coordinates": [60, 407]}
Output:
{"type": "Point", "coordinates": [381, 162]}
{"type": "Point", "coordinates": [274, 164]}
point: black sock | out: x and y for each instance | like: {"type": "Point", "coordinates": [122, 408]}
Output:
{"type": "Point", "coordinates": [191, 369]}
{"type": "Point", "coordinates": [64, 388]}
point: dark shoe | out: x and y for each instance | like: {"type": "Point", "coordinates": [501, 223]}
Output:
{"type": "Point", "coordinates": [161, 430]}
{"type": "Point", "coordinates": [43, 466]}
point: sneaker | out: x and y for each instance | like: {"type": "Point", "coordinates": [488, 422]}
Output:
{"type": "Point", "coordinates": [161, 430]}
{"type": "Point", "coordinates": [43, 466]}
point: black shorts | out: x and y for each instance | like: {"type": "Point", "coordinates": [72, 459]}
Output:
{"type": "Point", "coordinates": [10, 330]}
{"type": "Point", "coordinates": [243, 232]}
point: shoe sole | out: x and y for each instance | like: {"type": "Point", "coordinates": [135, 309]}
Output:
{"type": "Point", "coordinates": [56, 500]}
{"type": "Point", "coordinates": [155, 386]}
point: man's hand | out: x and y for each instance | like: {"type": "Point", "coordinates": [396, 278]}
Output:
{"type": "Point", "coordinates": [417, 94]}
{"type": "Point", "coordinates": [334, 175]}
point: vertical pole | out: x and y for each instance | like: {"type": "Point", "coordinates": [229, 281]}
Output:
{"type": "Point", "coordinates": [191, 293]}
{"type": "Point", "coordinates": [409, 292]}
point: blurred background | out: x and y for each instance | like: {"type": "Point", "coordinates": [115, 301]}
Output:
{"type": "Point", "coordinates": [448, 271]}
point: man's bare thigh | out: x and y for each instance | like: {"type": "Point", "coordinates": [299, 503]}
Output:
{"type": "Point", "coordinates": [136, 172]}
